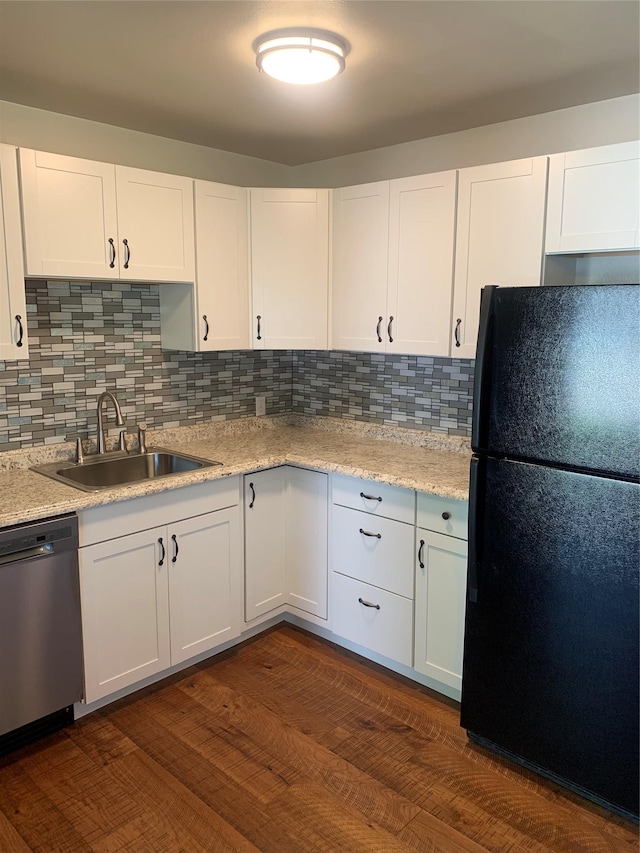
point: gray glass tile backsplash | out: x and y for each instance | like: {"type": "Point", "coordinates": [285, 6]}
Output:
{"type": "Point", "coordinates": [86, 337]}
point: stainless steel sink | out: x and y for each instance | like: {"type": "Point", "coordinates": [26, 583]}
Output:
{"type": "Point", "coordinates": [118, 469]}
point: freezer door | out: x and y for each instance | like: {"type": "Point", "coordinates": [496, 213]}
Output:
{"type": "Point", "coordinates": [551, 639]}
{"type": "Point", "coordinates": [557, 376]}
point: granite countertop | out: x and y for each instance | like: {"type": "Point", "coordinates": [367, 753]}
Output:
{"type": "Point", "coordinates": [426, 462]}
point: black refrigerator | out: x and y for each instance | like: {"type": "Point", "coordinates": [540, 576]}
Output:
{"type": "Point", "coordinates": [550, 676]}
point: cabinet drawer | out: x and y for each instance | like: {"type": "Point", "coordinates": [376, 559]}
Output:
{"type": "Point", "coordinates": [374, 498]}
{"type": "Point", "coordinates": [387, 630]}
{"type": "Point", "coordinates": [383, 558]}
{"type": "Point", "coordinates": [442, 515]}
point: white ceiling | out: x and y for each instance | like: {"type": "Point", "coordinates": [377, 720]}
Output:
{"type": "Point", "coordinates": [186, 70]}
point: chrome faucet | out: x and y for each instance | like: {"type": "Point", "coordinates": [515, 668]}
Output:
{"type": "Point", "coordinates": [107, 395]}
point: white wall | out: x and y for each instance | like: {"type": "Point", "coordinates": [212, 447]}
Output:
{"type": "Point", "coordinates": [586, 126]}
{"type": "Point", "coordinates": [601, 123]}
{"type": "Point", "coordinates": [27, 127]}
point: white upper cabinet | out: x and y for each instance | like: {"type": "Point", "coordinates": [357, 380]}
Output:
{"type": "Point", "coordinates": [84, 219]}
{"type": "Point", "coordinates": [289, 268]}
{"type": "Point", "coordinates": [499, 240]}
{"type": "Point", "coordinates": [213, 315]}
{"type": "Point", "coordinates": [13, 314]}
{"type": "Point", "coordinates": [420, 280]}
{"type": "Point", "coordinates": [393, 265]}
{"type": "Point", "coordinates": [594, 199]}
{"type": "Point", "coordinates": [360, 260]}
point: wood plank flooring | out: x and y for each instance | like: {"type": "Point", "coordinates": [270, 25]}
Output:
{"type": "Point", "coordinates": [285, 744]}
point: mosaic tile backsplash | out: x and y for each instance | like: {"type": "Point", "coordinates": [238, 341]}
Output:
{"type": "Point", "coordinates": [87, 337]}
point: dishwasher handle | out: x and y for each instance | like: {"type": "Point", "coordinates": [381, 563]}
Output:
{"type": "Point", "coordinates": [27, 554]}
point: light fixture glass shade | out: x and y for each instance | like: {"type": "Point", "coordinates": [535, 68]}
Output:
{"type": "Point", "coordinates": [300, 56]}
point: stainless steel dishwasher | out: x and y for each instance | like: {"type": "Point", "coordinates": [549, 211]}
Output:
{"type": "Point", "coordinates": [40, 629]}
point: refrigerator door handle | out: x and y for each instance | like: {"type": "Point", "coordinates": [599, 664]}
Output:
{"type": "Point", "coordinates": [482, 376]}
{"type": "Point", "coordinates": [475, 521]}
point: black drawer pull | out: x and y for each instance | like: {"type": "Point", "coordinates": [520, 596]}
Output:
{"type": "Point", "coordinates": [176, 550]}
{"type": "Point", "coordinates": [457, 331]}
{"type": "Point", "coordinates": [112, 253]}
{"type": "Point", "coordinates": [446, 515]}
{"type": "Point", "coordinates": [421, 554]}
{"type": "Point", "coordinates": [253, 496]}
{"type": "Point", "coordinates": [389, 330]}
{"type": "Point", "coordinates": [127, 254]}
{"type": "Point", "coordinates": [369, 497]}
{"type": "Point", "coordinates": [368, 604]}
{"type": "Point", "coordinates": [373, 535]}
{"type": "Point", "coordinates": [259, 336]}
{"type": "Point", "coordinates": [161, 544]}
{"type": "Point", "coordinates": [206, 327]}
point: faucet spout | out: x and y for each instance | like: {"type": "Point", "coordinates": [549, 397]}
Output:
{"type": "Point", "coordinates": [107, 395]}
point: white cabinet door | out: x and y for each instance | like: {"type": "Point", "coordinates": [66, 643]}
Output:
{"type": "Point", "coordinates": [213, 315]}
{"type": "Point", "coordinates": [125, 611]}
{"type": "Point", "coordinates": [307, 540]}
{"type": "Point", "coordinates": [499, 240]}
{"type": "Point", "coordinates": [441, 578]}
{"type": "Point", "coordinates": [205, 586]}
{"type": "Point", "coordinates": [265, 505]}
{"type": "Point", "coordinates": [69, 215]}
{"type": "Point", "coordinates": [360, 259]}
{"type": "Point", "coordinates": [155, 225]}
{"type": "Point", "coordinates": [14, 343]}
{"type": "Point", "coordinates": [289, 268]}
{"type": "Point", "coordinates": [420, 281]}
{"type": "Point", "coordinates": [594, 199]}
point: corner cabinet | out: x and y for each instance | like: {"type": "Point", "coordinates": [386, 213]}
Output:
{"type": "Point", "coordinates": [14, 343]}
{"type": "Point", "coordinates": [441, 582]}
{"type": "Point", "coordinates": [91, 220]}
{"type": "Point", "coordinates": [499, 240]}
{"type": "Point", "coordinates": [214, 314]}
{"type": "Point", "coordinates": [156, 598]}
{"type": "Point", "coordinates": [594, 199]}
{"type": "Point", "coordinates": [289, 268]}
{"type": "Point", "coordinates": [393, 247]}
{"type": "Point", "coordinates": [286, 541]}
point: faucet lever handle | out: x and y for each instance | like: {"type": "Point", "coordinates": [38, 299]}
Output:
{"type": "Point", "coordinates": [142, 444]}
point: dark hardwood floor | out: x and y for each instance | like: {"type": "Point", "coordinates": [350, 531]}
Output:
{"type": "Point", "coordinates": [286, 743]}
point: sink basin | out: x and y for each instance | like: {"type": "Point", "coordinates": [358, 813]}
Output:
{"type": "Point", "coordinates": [119, 469]}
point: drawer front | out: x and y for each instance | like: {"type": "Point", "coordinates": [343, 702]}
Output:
{"type": "Point", "coordinates": [374, 550]}
{"type": "Point", "coordinates": [387, 630]}
{"type": "Point", "coordinates": [374, 498]}
{"type": "Point", "coordinates": [442, 515]}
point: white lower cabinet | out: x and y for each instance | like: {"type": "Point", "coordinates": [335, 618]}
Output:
{"type": "Point", "coordinates": [373, 618]}
{"type": "Point", "coordinates": [156, 598]}
{"type": "Point", "coordinates": [441, 579]}
{"type": "Point", "coordinates": [286, 544]}
{"type": "Point", "coordinates": [372, 561]}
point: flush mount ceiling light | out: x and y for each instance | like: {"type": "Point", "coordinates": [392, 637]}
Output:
{"type": "Point", "coordinates": [300, 56]}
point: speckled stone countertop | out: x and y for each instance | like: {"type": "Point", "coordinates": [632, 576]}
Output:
{"type": "Point", "coordinates": [427, 462]}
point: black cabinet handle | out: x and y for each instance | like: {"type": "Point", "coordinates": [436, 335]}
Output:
{"type": "Point", "coordinates": [457, 331]}
{"type": "Point", "coordinates": [253, 496]}
{"type": "Point", "coordinates": [389, 330]}
{"type": "Point", "coordinates": [112, 253]}
{"type": "Point", "coordinates": [127, 254]}
{"type": "Point", "coordinates": [206, 327]}
{"type": "Point", "coordinates": [446, 516]}
{"type": "Point", "coordinates": [368, 604]}
{"type": "Point", "coordinates": [370, 497]}
{"type": "Point", "coordinates": [421, 554]}
{"type": "Point", "coordinates": [259, 336]}
{"type": "Point", "coordinates": [373, 535]}
{"type": "Point", "coordinates": [164, 553]}
{"type": "Point", "coordinates": [176, 550]}
{"type": "Point", "coordinates": [380, 319]}
{"type": "Point", "coordinates": [20, 330]}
